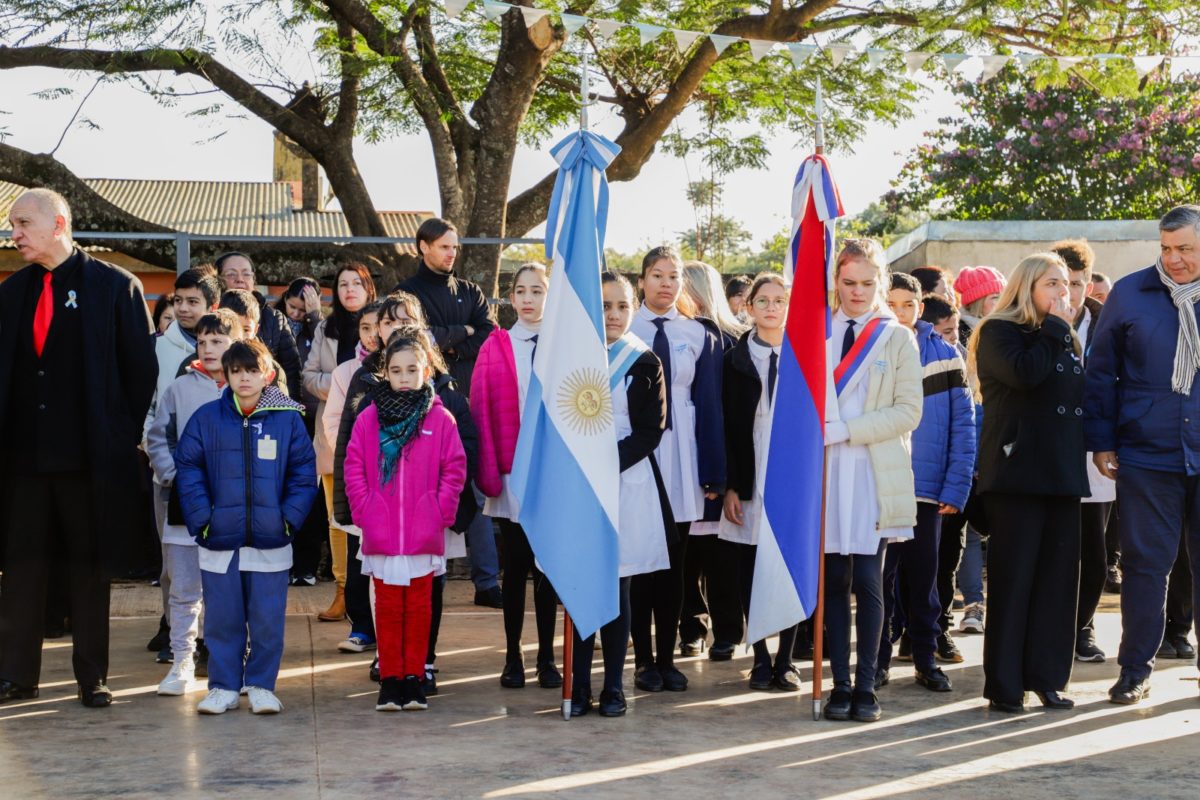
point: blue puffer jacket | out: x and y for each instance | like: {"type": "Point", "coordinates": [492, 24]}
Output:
{"type": "Point", "coordinates": [943, 445]}
{"type": "Point", "coordinates": [246, 480]}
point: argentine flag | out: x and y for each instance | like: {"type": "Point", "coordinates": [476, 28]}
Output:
{"type": "Point", "coordinates": [566, 472]}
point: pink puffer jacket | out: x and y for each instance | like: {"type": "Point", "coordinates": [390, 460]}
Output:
{"type": "Point", "coordinates": [409, 515]}
{"type": "Point", "coordinates": [495, 407]}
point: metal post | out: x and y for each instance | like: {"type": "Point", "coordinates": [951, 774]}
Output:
{"type": "Point", "coordinates": [584, 92]}
{"type": "Point", "coordinates": [183, 253]}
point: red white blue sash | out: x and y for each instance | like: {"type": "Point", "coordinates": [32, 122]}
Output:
{"type": "Point", "coordinates": [866, 350]}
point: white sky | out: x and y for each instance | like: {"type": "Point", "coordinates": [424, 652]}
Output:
{"type": "Point", "coordinates": [140, 139]}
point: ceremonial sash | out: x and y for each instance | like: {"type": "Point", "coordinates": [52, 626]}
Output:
{"type": "Point", "coordinates": [866, 348]}
{"type": "Point", "coordinates": [621, 355]}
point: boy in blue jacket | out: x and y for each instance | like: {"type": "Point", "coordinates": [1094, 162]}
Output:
{"type": "Point", "coordinates": [943, 453]}
{"type": "Point", "coordinates": [246, 474]}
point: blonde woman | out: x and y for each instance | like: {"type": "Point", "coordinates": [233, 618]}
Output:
{"type": "Point", "coordinates": [879, 399]}
{"type": "Point", "coordinates": [1031, 476]}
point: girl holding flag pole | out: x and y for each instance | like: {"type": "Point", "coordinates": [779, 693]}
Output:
{"type": "Point", "coordinates": [639, 415]}
{"type": "Point", "coordinates": [879, 399]}
{"type": "Point", "coordinates": [691, 455]}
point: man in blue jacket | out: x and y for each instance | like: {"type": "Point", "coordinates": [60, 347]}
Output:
{"type": "Point", "coordinates": [943, 453]}
{"type": "Point", "coordinates": [1142, 421]}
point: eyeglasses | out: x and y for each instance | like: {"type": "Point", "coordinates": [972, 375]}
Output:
{"type": "Point", "coordinates": [770, 302]}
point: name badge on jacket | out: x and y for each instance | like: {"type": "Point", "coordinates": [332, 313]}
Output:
{"type": "Point", "coordinates": [267, 448]}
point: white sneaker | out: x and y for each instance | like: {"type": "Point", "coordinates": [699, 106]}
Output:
{"type": "Point", "coordinates": [263, 701]}
{"type": "Point", "coordinates": [972, 621]}
{"type": "Point", "coordinates": [180, 680]}
{"type": "Point", "coordinates": [218, 701]}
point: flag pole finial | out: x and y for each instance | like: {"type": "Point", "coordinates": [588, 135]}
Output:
{"type": "Point", "coordinates": [819, 126]}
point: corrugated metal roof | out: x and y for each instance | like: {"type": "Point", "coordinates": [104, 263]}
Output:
{"type": "Point", "coordinates": [223, 208]}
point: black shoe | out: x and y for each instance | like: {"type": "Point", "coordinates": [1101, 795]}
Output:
{"type": "Point", "coordinates": [802, 650]}
{"type": "Point", "coordinates": [489, 598]}
{"type": "Point", "coordinates": [904, 651]}
{"type": "Point", "coordinates": [1055, 700]}
{"type": "Point", "coordinates": [672, 679]}
{"type": "Point", "coordinates": [414, 697]}
{"type": "Point", "coordinates": [307, 579]}
{"type": "Point", "coordinates": [1007, 708]}
{"type": "Point", "coordinates": [761, 676]}
{"type": "Point", "coordinates": [548, 676]}
{"type": "Point", "coordinates": [1183, 648]}
{"type": "Point", "coordinates": [201, 659]}
{"type": "Point", "coordinates": [947, 650]}
{"type": "Point", "coordinates": [1086, 649]}
{"type": "Point", "coordinates": [1112, 583]}
{"type": "Point", "coordinates": [786, 679]}
{"type": "Point", "coordinates": [162, 638]}
{"type": "Point", "coordinates": [840, 702]}
{"type": "Point", "coordinates": [373, 671]}
{"type": "Point", "coordinates": [11, 691]}
{"type": "Point", "coordinates": [165, 656]}
{"type": "Point", "coordinates": [934, 680]}
{"type": "Point", "coordinates": [883, 676]}
{"type": "Point", "coordinates": [1128, 690]}
{"type": "Point", "coordinates": [648, 678]}
{"type": "Point", "coordinates": [865, 708]}
{"type": "Point", "coordinates": [1166, 649]}
{"type": "Point", "coordinates": [612, 704]}
{"type": "Point", "coordinates": [98, 696]}
{"type": "Point", "coordinates": [692, 648]}
{"type": "Point", "coordinates": [55, 629]}
{"type": "Point", "coordinates": [391, 695]}
{"type": "Point", "coordinates": [429, 682]}
{"type": "Point", "coordinates": [721, 651]}
{"type": "Point", "coordinates": [581, 702]}
{"type": "Point", "coordinates": [513, 676]}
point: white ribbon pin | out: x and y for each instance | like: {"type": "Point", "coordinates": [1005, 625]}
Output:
{"type": "Point", "coordinates": [71, 301]}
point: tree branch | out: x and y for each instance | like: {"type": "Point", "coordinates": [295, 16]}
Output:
{"type": "Point", "coordinates": [351, 73]}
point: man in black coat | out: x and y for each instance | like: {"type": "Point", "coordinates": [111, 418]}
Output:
{"type": "Point", "coordinates": [77, 371]}
{"type": "Point", "coordinates": [237, 272]}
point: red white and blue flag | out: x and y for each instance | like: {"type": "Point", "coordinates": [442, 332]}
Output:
{"type": "Point", "coordinates": [789, 532]}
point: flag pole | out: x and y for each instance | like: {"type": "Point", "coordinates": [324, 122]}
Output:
{"type": "Point", "coordinates": [818, 619]}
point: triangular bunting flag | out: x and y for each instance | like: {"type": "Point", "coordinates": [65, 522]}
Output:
{"type": "Point", "coordinates": [722, 42]}
{"type": "Point", "coordinates": [875, 57]}
{"type": "Point", "coordinates": [572, 22]}
{"type": "Point", "coordinates": [801, 52]}
{"type": "Point", "coordinates": [685, 39]}
{"type": "Point", "coordinates": [494, 9]}
{"type": "Point", "coordinates": [532, 15]}
{"type": "Point", "coordinates": [455, 8]}
{"type": "Point", "coordinates": [955, 60]}
{"type": "Point", "coordinates": [992, 66]}
{"type": "Point", "coordinates": [914, 61]}
{"type": "Point", "coordinates": [647, 32]}
{"type": "Point", "coordinates": [1066, 62]}
{"type": "Point", "coordinates": [1026, 59]}
{"type": "Point", "coordinates": [760, 49]}
{"type": "Point", "coordinates": [607, 28]}
{"type": "Point", "coordinates": [1146, 64]}
{"type": "Point", "coordinates": [838, 53]}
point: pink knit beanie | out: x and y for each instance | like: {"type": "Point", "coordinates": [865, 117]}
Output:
{"type": "Point", "coordinates": [973, 283]}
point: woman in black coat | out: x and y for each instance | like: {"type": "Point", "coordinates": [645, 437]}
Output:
{"type": "Point", "coordinates": [1031, 476]}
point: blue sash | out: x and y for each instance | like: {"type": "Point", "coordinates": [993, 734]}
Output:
{"type": "Point", "coordinates": [621, 355]}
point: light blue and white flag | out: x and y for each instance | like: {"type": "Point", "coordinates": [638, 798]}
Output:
{"type": "Point", "coordinates": [566, 472]}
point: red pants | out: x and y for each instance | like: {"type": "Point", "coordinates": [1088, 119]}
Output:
{"type": "Point", "coordinates": [402, 618]}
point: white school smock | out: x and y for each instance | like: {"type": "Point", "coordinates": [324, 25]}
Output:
{"type": "Point", "coordinates": [250, 559]}
{"type": "Point", "coordinates": [851, 504]}
{"type": "Point", "coordinates": [747, 532]}
{"type": "Point", "coordinates": [504, 505]}
{"type": "Point", "coordinates": [641, 535]}
{"type": "Point", "coordinates": [677, 454]}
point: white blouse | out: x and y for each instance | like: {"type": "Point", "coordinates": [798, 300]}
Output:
{"type": "Point", "coordinates": [505, 505]}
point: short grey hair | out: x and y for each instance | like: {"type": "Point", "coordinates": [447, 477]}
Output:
{"type": "Point", "coordinates": [51, 202]}
{"type": "Point", "coordinates": [1181, 217]}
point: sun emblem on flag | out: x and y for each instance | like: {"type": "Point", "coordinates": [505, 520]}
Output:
{"type": "Point", "coordinates": [584, 401]}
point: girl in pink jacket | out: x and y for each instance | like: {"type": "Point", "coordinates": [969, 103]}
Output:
{"type": "Point", "coordinates": [405, 468]}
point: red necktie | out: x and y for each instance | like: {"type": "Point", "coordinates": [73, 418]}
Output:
{"type": "Point", "coordinates": [44, 314]}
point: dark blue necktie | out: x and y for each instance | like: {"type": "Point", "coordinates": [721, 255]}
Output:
{"type": "Point", "coordinates": [533, 353]}
{"type": "Point", "coordinates": [848, 339]}
{"type": "Point", "coordinates": [772, 376]}
{"type": "Point", "coordinates": [662, 349]}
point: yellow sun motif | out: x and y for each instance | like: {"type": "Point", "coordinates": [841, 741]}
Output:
{"type": "Point", "coordinates": [584, 401]}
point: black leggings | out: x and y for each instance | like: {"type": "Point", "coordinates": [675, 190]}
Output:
{"type": "Point", "coordinates": [864, 575]}
{"type": "Point", "coordinates": [435, 624]}
{"type": "Point", "coordinates": [518, 564]}
{"type": "Point", "coordinates": [358, 590]}
{"type": "Point", "coordinates": [747, 555]}
{"type": "Point", "coordinates": [659, 594]}
{"type": "Point", "coordinates": [614, 639]}
{"type": "Point", "coordinates": [1093, 561]}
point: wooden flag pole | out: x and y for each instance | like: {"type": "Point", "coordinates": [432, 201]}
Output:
{"type": "Point", "coordinates": [818, 618]}
{"type": "Point", "coordinates": [568, 663]}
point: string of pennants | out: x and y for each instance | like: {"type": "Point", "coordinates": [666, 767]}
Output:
{"type": "Point", "coordinates": [799, 52]}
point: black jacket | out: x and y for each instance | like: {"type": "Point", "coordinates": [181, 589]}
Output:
{"type": "Point", "coordinates": [120, 374]}
{"type": "Point", "coordinates": [741, 390]}
{"type": "Point", "coordinates": [646, 393]}
{"type": "Point", "coordinates": [276, 334]}
{"type": "Point", "coordinates": [1032, 385]}
{"type": "Point", "coordinates": [450, 305]}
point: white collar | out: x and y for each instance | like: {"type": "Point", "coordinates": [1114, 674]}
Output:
{"type": "Point", "coordinates": [645, 313]}
{"type": "Point", "coordinates": [523, 331]}
{"type": "Point", "coordinates": [843, 318]}
{"type": "Point", "coordinates": [761, 350]}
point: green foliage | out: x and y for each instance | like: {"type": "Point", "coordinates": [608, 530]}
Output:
{"type": "Point", "coordinates": [881, 221]}
{"type": "Point", "coordinates": [1032, 148]}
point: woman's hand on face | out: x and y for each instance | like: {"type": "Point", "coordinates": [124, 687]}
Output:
{"type": "Point", "coordinates": [733, 508]}
{"type": "Point", "coordinates": [1062, 309]}
{"type": "Point", "coordinates": [312, 300]}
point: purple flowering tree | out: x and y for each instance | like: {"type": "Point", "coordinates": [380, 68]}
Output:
{"type": "Point", "coordinates": [1066, 152]}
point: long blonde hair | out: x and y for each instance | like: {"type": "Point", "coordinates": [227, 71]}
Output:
{"type": "Point", "coordinates": [702, 283]}
{"type": "Point", "coordinates": [870, 251]}
{"type": "Point", "coordinates": [1016, 305]}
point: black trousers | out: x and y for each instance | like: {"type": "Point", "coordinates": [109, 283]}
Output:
{"type": "Point", "coordinates": [1033, 590]}
{"type": "Point", "coordinates": [659, 595]}
{"type": "Point", "coordinates": [306, 548]}
{"type": "Point", "coordinates": [435, 623]}
{"type": "Point", "coordinates": [358, 589]}
{"type": "Point", "coordinates": [614, 641]}
{"type": "Point", "coordinates": [710, 591]}
{"type": "Point", "coordinates": [1093, 561]}
{"type": "Point", "coordinates": [1179, 595]}
{"type": "Point", "coordinates": [863, 575]}
{"type": "Point", "coordinates": [747, 555]}
{"type": "Point", "coordinates": [518, 565]}
{"type": "Point", "coordinates": [1112, 535]}
{"type": "Point", "coordinates": [910, 589]}
{"type": "Point", "coordinates": [951, 542]}
{"type": "Point", "coordinates": [50, 538]}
